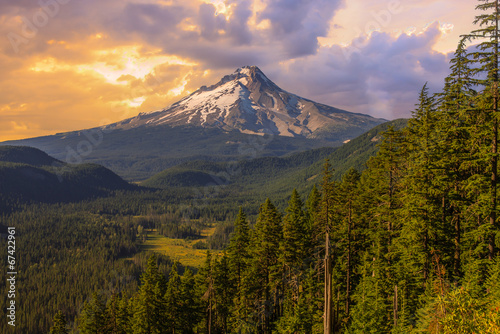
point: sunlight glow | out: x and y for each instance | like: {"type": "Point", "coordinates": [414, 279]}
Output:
{"type": "Point", "coordinates": [137, 102]}
{"type": "Point", "coordinates": [220, 6]}
{"type": "Point", "coordinates": [179, 89]}
{"type": "Point", "coordinates": [130, 61]}
{"type": "Point", "coordinates": [50, 64]}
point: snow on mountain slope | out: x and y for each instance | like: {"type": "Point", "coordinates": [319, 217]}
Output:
{"type": "Point", "coordinates": [248, 101]}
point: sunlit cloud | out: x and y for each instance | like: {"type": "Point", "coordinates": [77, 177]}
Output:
{"type": "Point", "coordinates": [128, 61]}
{"type": "Point", "coordinates": [219, 5]}
{"type": "Point", "coordinates": [180, 89]}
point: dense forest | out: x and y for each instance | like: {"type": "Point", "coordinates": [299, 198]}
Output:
{"type": "Point", "coordinates": [66, 251]}
{"type": "Point", "coordinates": [409, 245]}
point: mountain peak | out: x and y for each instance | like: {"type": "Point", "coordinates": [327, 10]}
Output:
{"type": "Point", "coordinates": [246, 75]}
{"type": "Point", "coordinates": [249, 102]}
{"type": "Point", "coordinates": [254, 74]}
{"type": "Point", "coordinates": [250, 71]}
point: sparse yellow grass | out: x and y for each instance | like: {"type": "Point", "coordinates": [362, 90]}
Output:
{"type": "Point", "coordinates": [177, 249]}
{"type": "Point", "coordinates": [208, 232]}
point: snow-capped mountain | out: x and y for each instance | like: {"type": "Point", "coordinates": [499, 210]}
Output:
{"type": "Point", "coordinates": [251, 103]}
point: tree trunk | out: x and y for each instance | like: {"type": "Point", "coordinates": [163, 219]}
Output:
{"type": "Point", "coordinates": [494, 162]}
{"type": "Point", "coordinates": [456, 259]}
{"type": "Point", "coordinates": [494, 167]}
{"type": "Point", "coordinates": [348, 283]}
{"type": "Point", "coordinates": [209, 316]}
{"type": "Point", "coordinates": [327, 324]}
{"type": "Point", "coordinates": [395, 306]}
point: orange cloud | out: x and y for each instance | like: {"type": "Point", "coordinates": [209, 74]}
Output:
{"type": "Point", "coordinates": [45, 95]}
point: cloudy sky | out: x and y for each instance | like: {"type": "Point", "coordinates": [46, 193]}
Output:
{"type": "Point", "coordinates": [75, 64]}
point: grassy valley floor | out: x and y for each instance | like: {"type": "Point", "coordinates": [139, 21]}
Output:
{"type": "Point", "coordinates": [180, 250]}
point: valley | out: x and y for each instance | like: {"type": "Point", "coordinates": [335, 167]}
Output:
{"type": "Point", "coordinates": [180, 250]}
{"type": "Point", "coordinates": [127, 219]}
{"type": "Point", "coordinates": [241, 207]}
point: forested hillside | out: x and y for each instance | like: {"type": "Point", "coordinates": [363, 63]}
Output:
{"type": "Point", "coordinates": [137, 154]}
{"type": "Point", "coordinates": [30, 175]}
{"type": "Point", "coordinates": [256, 179]}
{"type": "Point", "coordinates": [410, 245]}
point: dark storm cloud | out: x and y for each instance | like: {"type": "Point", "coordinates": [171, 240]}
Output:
{"type": "Point", "coordinates": [210, 23]}
{"type": "Point", "coordinates": [238, 28]}
{"type": "Point", "coordinates": [150, 19]}
{"type": "Point", "coordinates": [212, 56]}
{"type": "Point", "coordinates": [297, 24]}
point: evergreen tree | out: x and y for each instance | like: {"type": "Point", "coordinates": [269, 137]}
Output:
{"type": "Point", "coordinates": [369, 314]}
{"type": "Point", "coordinates": [313, 208]}
{"type": "Point", "coordinates": [265, 273]}
{"type": "Point", "coordinates": [191, 313]}
{"type": "Point", "coordinates": [224, 294]}
{"type": "Point", "coordinates": [238, 259]}
{"type": "Point", "coordinates": [423, 199]}
{"type": "Point", "coordinates": [381, 198]}
{"type": "Point", "coordinates": [94, 318]}
{"type": "Point", "coordinates": [295, 234]}
{"type": "Point", "coordinates": [116, 324]}
{"type": "Point", "coordinates": [149, 304]}
{"type": "Point", "coordinates": [123, 315]}
{"type": "Point", "coordinates": [294, 248]}
{"type": "Point", "coordinates": [206, 286]}
{"type": "Point", "coordinates": [487, 59]}
{"type": "Point", "coordinates": [172, 318]}
{"type": "Point", "coordinates": [454, 119]}
{"type": "Point", "coordinates": [238, 246]}
{"type": "Point", "coordinates": [59, 326]}
{"type": "Point", "coordinates": [347, 235]}
{"type": "Point", "coordinates": [323, 227]}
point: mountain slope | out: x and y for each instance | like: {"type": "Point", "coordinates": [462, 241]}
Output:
{"type": "Point", "coordinates": [245, 173]}
{"type": "Point", "coordinates": [139, 153]}
{"type": "Point", "coordinates": [272, 176]}
{"type": "Point", "coordinates": [249, 102]}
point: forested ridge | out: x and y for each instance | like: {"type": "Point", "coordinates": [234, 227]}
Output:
{"type": "Point", "coordinates": [409, 245]}
{"type": "Point", "coordinates": [28, 175]}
